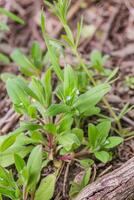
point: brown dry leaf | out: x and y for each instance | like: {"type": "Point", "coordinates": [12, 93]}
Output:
{"type": "Point", "coordinates": [78, 178]}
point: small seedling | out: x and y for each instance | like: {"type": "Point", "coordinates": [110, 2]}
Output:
{"type": "Point", "coordinates": [129, 81]}
{"type": "Point", "coordinates": [4, 28]}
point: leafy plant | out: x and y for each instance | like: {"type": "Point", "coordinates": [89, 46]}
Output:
{"type": "Point", "coordinates": [100, 142]}
{"type": "Point", "coordinates": [4, 27]}
{"type": "Point", "coordinates": [129, 81]}
{"type": "Point", "coordinates": [56, 111]}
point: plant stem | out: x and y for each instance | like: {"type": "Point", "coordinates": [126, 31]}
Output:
{"type": "Point", "coordinates": [94, 83]}
{"type": "Point", "coordinates": [32, 195]}
{"type": "Point", "coordinates": [24, 193]}
{"type": "Point", "coordinates": [82, 153]}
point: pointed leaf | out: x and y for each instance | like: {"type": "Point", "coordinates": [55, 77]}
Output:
{"type": "Point", "coordinates": [103, 156]}
{"type": "Point", "coordinates": [46, 188]}
{"type": "Point", "coordinates": [113, 141]}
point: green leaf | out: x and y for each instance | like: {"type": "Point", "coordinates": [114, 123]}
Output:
{"type": "Point", "coordinates": [7, 157]}
{"type": "Point", "coordinates": [86, 110]}
{"type": "Point", "coordinates": [34, 166]}
{"type": "Point", "coordinates": [36, 54]}
{"type": "Point", "coordinates": [91, 97]}
{"type": "Point", "coordinates": [1, 197]}
{"type": "Point", "coordinates": [65, 123]}
{"type": "Point", "coordinates": [112, 74]}
{"type": "Point", "coordinates": [86, 178]}
{"type": "Point", "coordinates": [18, 97]}
{"type": "Point", "coordinates": [83, 81]}
{"type": "Point", "coordinates": [69, 141]}
{"type": "Point", "coordinates": [50, 128]}
{"type": "Point", "coordinates": [79, 133]}
{"type": "Point", "coordinates": [46, 188]}
{"type": "Point", "coordinates": [24, 86]}
{"type": "Point", "coordinates": [8, 186]}
{"type": "Point", "coordinates": [26, 66]}
{"type": "Point", "coordinates": [67, 40]}
{"type": "Point", "coordinates": [74, 190]}
{"type": "Point", "coordinates": [70, 82]}
{"type": "Point", "coordinates": [56, 109]}
{"type": "Point", "coordinates": [69, 35]}
{"type": "Point", "coordinates": [52, 51]}
{"type": "Point", "coordinates": [48, 87]}
{"type": "Point", "coordinates": [4, 59]}
{"type": "Point", "coordinates": [19, 163]}
{"type": "Point", "coordinates": [5, 76]}
{"type": "Point", "coordinates": [79, 31]}
{"type": "Point", "coordinates": [43, 21]}
{"type": "Point", "coordinates": [103, 128]}
{"type": "Point", "coordinates": [30, 126]}
{"type": "Point", "coordinates": [97, 60]}
{"type": "Point", "coordinates": [19, 93]}
{"type": "Point", "coordinates": [54, 60]}
{"type": "Point", "coordinates": [5, 177]}
{"type": "Point", "coordinates": [9, 141]}
{"type": "Point", "coordinates": [10, 193]}
{"type": "Point", "coordinates": [60, 92]}
{"type": "Point", "coordinates": [32, 112]}
{"type": "Point", "coordinates": [86, 163]}
{"type": "Point", "coordinates": [37, 137]}
{"type": "Point", "coordinates": [103, 156]}
{"type": "Point", "coordinates": [37, 88]}
{"type": "Point", "coordinates": [92, 136]}
{"type": "Point", "coordinates": [112, 142]}
{"type": "Point", "coordinates": [4, 26]}
{"type": "Point", "coordinates": [11, 16]}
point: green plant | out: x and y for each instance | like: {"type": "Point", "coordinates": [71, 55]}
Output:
{"type": "Point", "coordinates": [129, 81]}
{"type": "Point", "coordinates": [4, 28]}
{"type": "Point", "coordinates": [56, 111]}
{"type": "Point", "coordinates": [27, 178]}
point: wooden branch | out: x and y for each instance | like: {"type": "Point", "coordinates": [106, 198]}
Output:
{"type": "Point", "coordinates": [117, 185]}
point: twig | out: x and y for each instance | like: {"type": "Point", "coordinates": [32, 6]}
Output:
{"type": "Point", "coordinates": [65, 179]}
{"type": "Point", "coordinates": [94, 173]}
{"type": "Point", "coordinates": [14, 118]}
{"type": "Point", "coordinates": [129, 138]}
{"type": "Point", "coordinates": [105, 171]}
{"type": "Point", "coordinates": [61, 169]}
{"type": "Point", "coordinates": [6, 117]}
{"type": "Point", "coordinates": [58, 197]}
{"type": "Point", "coordinates": [82, 153]}
{"type": "Point", "coordinates": [129, 121]}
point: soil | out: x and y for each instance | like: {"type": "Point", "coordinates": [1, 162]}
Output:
{"type": "Point", "coordinates": [112, 25]}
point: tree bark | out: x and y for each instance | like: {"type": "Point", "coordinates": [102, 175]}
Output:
{"type": "Point", "coordinates": [117, 185]}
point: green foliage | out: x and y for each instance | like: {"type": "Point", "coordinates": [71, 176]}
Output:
{"type": "Point", "coordinates": [77, 187]}
{"type": "Point", "coordinates": [56, 103]}
{"type": "Point", "coordinates": [11, 16]}
{"type": "Point", "coordinates": [46, 188]}
{"type": "Point", "coordinates": [98, 61]}
{"type": "Point", "coordinates": [4, 27]}
{"type": "Point", "coordinates": [4, 59]}
{"type": "Point", "coordinates": [129, 81]}
{"type": "Point", "coordinates": [100, 141]}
